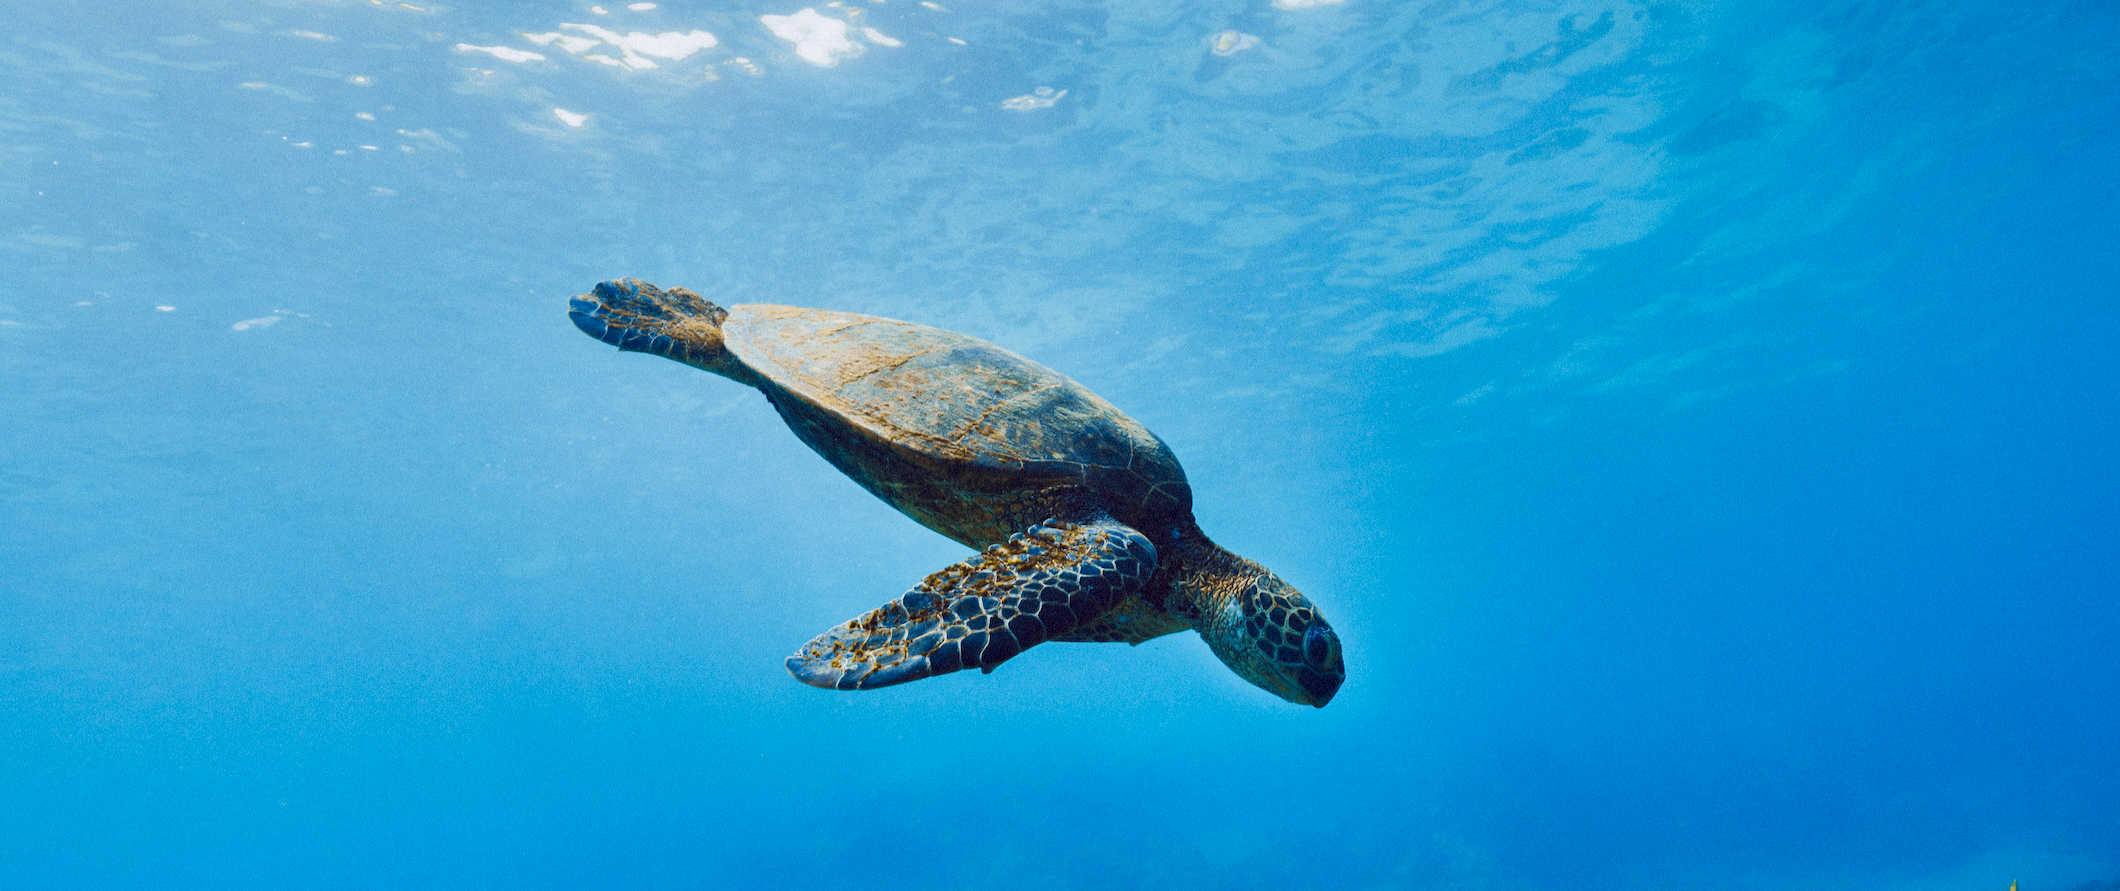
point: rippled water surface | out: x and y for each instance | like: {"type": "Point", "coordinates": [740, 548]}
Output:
{"type": "Point", "coordinates": [1697, 419]}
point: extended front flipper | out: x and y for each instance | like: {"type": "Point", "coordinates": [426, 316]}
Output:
{"type": "Point", "coordinates": [1021, 592]}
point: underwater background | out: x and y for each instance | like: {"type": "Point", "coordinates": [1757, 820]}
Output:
{"type": "Point", "coordinates": [1698, 419]}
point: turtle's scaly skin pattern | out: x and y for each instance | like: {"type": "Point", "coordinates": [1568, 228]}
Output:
{"type": "Point", "coordinates": [1258, 624]}
{"type": "Point", "coordinates": [1132, 622]}
{"type": "Point", "coordinates": [984, 610]}
{"type": "Point", "coordinates": [675, 324]}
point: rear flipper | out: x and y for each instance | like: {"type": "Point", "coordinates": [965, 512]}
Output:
{"type": "Point", "coordinates": [980, 612]}
{"type": "Point", "coordinates": [677, 324]}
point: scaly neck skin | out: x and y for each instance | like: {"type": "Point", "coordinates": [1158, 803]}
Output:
{"type": "Point", "coordinates": [1203, 582]}
{"type": "Point", "coordinates": [1260, 626]}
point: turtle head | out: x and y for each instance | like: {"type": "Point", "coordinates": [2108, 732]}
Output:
{"type": "Point", "coordinates": [1271, 635]}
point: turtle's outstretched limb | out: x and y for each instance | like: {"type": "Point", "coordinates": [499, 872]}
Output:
{"type": "Point", "coordinates": [676, 324]}
{"type": "Point", "coordinates": [1007, 598]}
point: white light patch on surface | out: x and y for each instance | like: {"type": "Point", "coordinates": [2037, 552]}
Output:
{"type": "Point", "coordinates": [364, 115]}
{"type": "Point", "coordinates": [671, 45]}
{"type": "Point", "coordinates": [819, 40]}
{"type": "Point", "coordinates": [164, 307]}
{"type": "Point", "coordinates": [571, 119]}
{"type": "Point", "coordinates": [1230, 43]}
{"type": "Point", "coordinates": [880, 39]}
{"type": "Point", "coordinates": [1042, 97]}
{"type": "Point", "coordinates": [636, 49]}
{"type": "Point", "coordinates": [313, 35]}
{"type": "Point", "coordinates": [640, 7]}
{"type": "Point", "coordinates": [567, 42]}
{"type": "Point", "coordinates": [252, 324]}
{"type": "Point", "coordinates": [503, 53]}
{"type": "Point", "coordinates": [1305, 4]}
{"type": "Point", "coordinates": [956, 40]}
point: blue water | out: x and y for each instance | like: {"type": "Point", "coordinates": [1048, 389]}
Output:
{"type": "Point", "coordinates": [1697, 419]}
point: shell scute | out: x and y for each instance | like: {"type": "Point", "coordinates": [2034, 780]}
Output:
{"type": "Point", "coordinates": [947, 401]}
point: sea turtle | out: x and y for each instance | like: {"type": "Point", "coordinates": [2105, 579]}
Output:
{"type": "Point", "coordinates": [1081, 517]}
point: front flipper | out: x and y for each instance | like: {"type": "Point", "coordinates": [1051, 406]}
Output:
{"type": "Point", "coordinates": [1005, 599]}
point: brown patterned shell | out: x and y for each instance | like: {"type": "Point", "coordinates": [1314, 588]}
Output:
{"type": "Point", "coordinates": [882, 398]}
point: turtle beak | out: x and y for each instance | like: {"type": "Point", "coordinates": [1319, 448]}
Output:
{"type": "Point", "coordinates": [1304, 687]}
{"type": "Point", "coordinates": [1320, 687]}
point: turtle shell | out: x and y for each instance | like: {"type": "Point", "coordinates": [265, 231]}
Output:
{"type": "Point", "coordinates": [964, 436]}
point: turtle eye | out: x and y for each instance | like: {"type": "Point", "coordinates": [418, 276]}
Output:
{"type": "Point", "coordinates": [1321, 648]}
